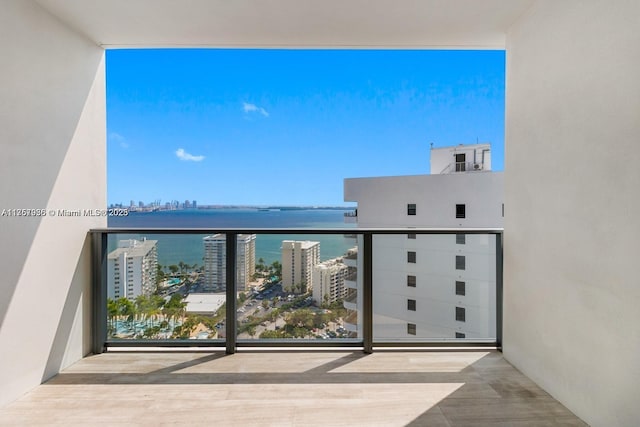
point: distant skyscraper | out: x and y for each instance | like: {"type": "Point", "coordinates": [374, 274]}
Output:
{"type": "Point", "coordinates": [215, 259]}
{"type": "Point", "coordinates": [298, 260]}
{"type": "Point", "coordinates": [194, 204]}
{"type": "Point", "coordinates": [328, 281]}
{"type": "Point", "coordinates": [132, 269]}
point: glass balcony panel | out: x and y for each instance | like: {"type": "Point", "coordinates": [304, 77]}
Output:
{"type": "Point", "coordinates": [156, 289]}
{"type": "Point", "coordinates": [304, 297]}
{"type": "Point", "coordinates": [434, 309]}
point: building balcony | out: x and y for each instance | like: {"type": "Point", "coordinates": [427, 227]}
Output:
{"type": "Point", "coordinates": [351, 258]}
{"type": "Point", "coordinates": [350, 262]}
{"type": "Point", "coordinates": [351, 300]}
{"type": "Point", "coordinates": [351, 217]}
{"type": "Point", "coordinates": [274, 316]}
{"type": "Point", "coordinates": [457, 167]}
{"type": "Point", "coordinates": [351, 321]}
{"type": "Point", "coordinates": [351, 279]}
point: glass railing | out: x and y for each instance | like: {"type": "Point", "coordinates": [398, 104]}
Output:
{"type": "Point", "coordinates": [170, 287]}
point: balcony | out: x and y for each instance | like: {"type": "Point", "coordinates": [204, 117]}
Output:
{"type": "Point", "coordinates": [351, 258]}
{"type": "Point", "coordinates": [351, 280]}
{"type": "Point", "coordinates": [351, 321]}
{"type": "Point", "coordinates": [351, 217]}
{"type": "Point", "coordinates": [456, 167]}
{"type": "Point", "coordinates": [289, 388]}
{"type": "Point", "coordinates": [351, 300]}
{"type": "Point", "coordinates": [191, 314]}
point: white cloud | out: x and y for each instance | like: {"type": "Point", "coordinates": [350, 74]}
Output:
{"type": "Point", "coordinates": [251, 108]}
{"type": "Point", "coordinates": [121, 140]}
{"type": "Point", "coordinates": [183, 155]}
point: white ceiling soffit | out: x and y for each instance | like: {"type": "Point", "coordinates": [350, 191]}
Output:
{"type": "Point", "coordinates": [457, 24]}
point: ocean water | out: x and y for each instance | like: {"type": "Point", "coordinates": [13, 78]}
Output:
{"type": "Point", "coordinates": [188, 248]}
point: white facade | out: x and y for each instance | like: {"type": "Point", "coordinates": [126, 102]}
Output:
{"type": "Point", "coordinates": [298, 260]}
{"type": "Point", "coordinates": [419, 292]}
{"type": "Point", "coordinates": [384, 201]}
{"type": "Point", "coordinates": [132, 269]}
{"type": "Point", "coordinates": [328, 281]}
{"type": "Point", "coordinates": [215, 259]}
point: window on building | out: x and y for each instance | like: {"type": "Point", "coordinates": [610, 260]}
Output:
{"type": "Point", "coordinates": [460, 314]}
{"type": "Point", "coordinates": [460, 335]}
{"type": "Point", "coordinates": [411, 209]}
{"type": "Point", "coordinates": [461, 239]}
{"type": "Point", "coordinates": [411, 236]}
{"type": "Point", "coordinates": [460, 288]}
{"type": "Point", "coordinates": [411, 328]}
{"type": "Point", "coordinates": [461, 211]}
{"type": "Point", "coordinates": [411, 304]}
{"type": "Point", "coordinates": [461, 162]}
{"type": "Point", "coordinates": [411, 281]}
{"type": "Point", "coordinates": [411, 257]}
{"type": "Point", "coordinates": [460, 262]}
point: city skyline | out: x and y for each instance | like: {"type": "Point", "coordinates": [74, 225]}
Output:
{"type": "Point", "coordinates": [244, 127]}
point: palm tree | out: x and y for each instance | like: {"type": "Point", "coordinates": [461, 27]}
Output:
{"type": "Point", "coordinates": [112, 312]}
{"type": "Point", "coordinates": [127, 310]}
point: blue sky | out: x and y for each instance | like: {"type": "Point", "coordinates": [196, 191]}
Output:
{"type": "Point", "coordinates": [265, 127]}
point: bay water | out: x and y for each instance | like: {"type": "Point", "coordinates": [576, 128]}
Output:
{"type": "Point", "coordinates": [189, 248]}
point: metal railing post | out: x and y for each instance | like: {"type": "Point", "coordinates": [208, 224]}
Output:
{"type": "Point", "coordinates": [230, 323]}
{"type": "Point", "coordinates": [99, 291]}
{"type": "Point", "coordinates": [367, 291]}
{"type": "Point", "coordinates": [499, 291]}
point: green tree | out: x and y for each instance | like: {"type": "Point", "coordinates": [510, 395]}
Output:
{"type": "Point", "coordinates": [251, 330]}
{"type": "Point", "coordinates": [325, 301]}
{"type": "Point", "coordinates": [112, 312]}
{"type": "Point", "coordinates": [174, 269]}
{"type": "Point", "coordinates": [301, 318]}
{"type": "Point", "coordinates": [159, 275]}
{"type": "Point", "coordinates": [276, 268]}
{"type": "Point", "coordinates": [127, 310]}
{"type": "Point", "coordinates": [175, 307]}
{"type": "Point", "coordinates": [319, 319]}
{"type": "Point", "coordinates": [271, 334]}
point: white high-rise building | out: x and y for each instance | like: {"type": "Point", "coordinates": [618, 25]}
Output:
{"type": "Point", "coordinates": [328, 281]}
{"type": "Point", "coordinates": [132, 269]}
{"type": "Point", "coordinates": [215, 259]}
{"type": "Point", "coordinates": [434, 286]}
{"type": "Point", "coordinates": [298, 260]}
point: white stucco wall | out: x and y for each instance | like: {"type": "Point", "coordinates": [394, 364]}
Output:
{"type": "Point", "coordinates": [571, 287]}
{"type": "Point", "coordinates": [434, 293]}
{"type": "Point", "coordinates": [52, 136]}
{"type": "Point", "coordinates": [382, 201]}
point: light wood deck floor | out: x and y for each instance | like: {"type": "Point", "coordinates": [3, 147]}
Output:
{"type": "Point", "coordinates": [290, 388]}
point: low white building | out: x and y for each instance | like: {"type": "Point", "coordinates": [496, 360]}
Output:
{"type": "Point", "coordinates": [132, 269]}
{"type": "Point", "coordinates": [433, 286]}
{"type": "Point", "coordinates": [204, 303]}
{"type": "Point", "coordinates": [328, 281]}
